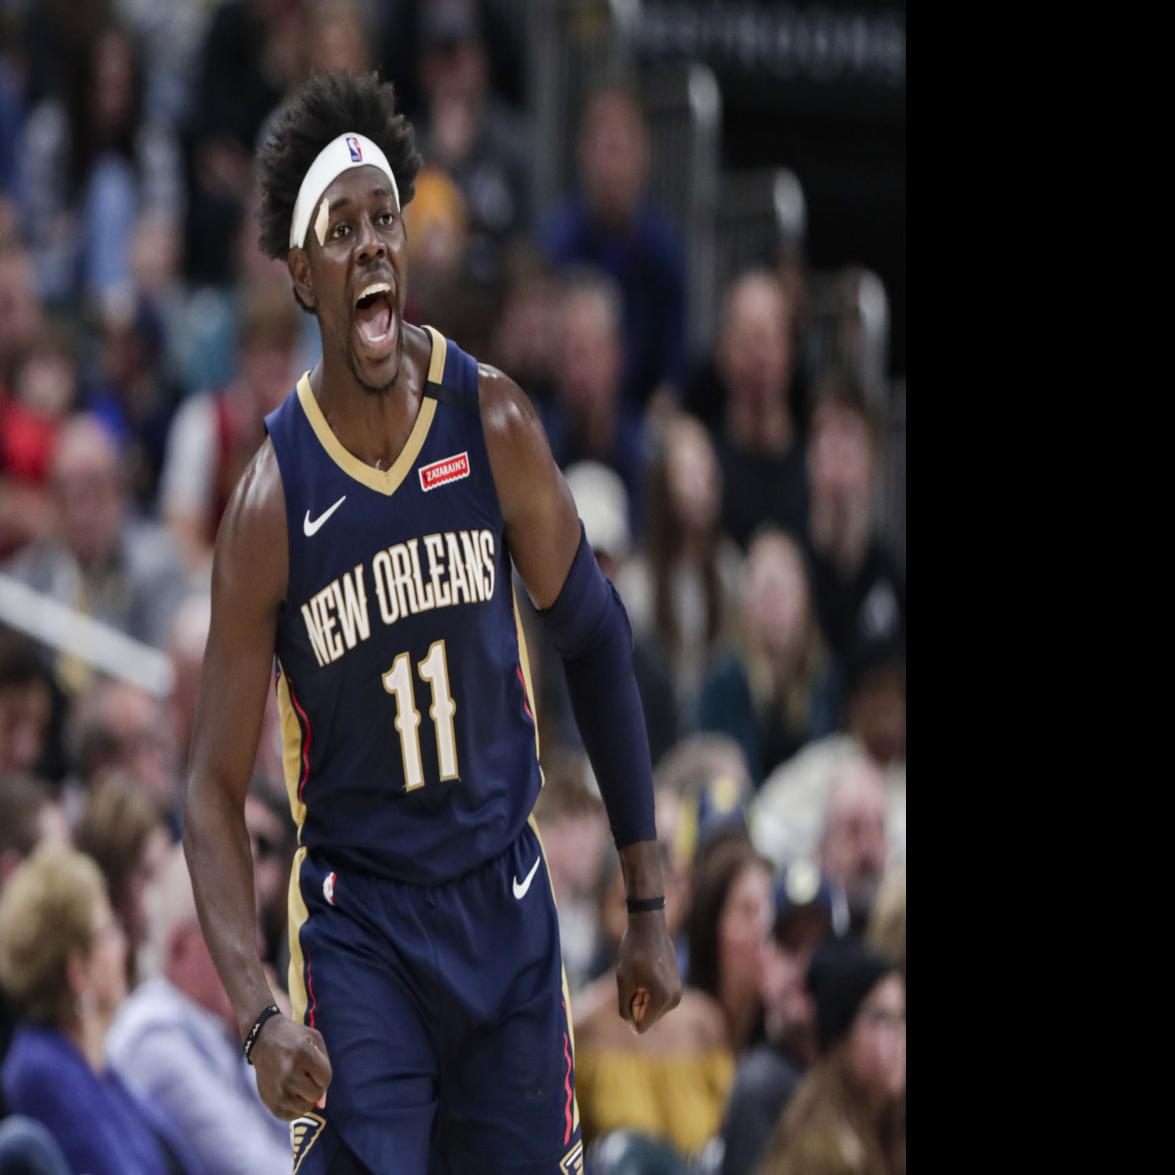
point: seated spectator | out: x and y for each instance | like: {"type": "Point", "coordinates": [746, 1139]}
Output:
{"type": "Point", "coordinates": [682, 587]}
{"type": "Point", "coordinates": [26, 708]}
{"type": "Point", "coordinates": [175, 1043]}
{"type": "Point", "coordinates": [92, 165]}
{"type": "Point", "coordinates": [788, 813]}
{"type": "Point", "coordinates": [522, 340]}
{"type": "Point", "coordinates": [121, 831]}
{"type": "Point", "coordinates": [764, 479]}
{"type": "Point", "coordinates": [609, 223]}
{"type": "Point", "coordinates": [847, 1117]}
{"type": "Point", "coordinates": [769, 1073]}
{"type": "Point", "coordinates": [858, 588]}
{"type": "Point", "coordinates": [853, 848]}
{"type": "Point", "coordinates": [470, 134]}
{"type": "Point", "coordinates": [63, 965]}
{"type": "Point", "coordinates": [576, 837]}
{"type": "Point", "coordinates": [29, 818]}
{"type": "Point", "coordinates": [588, 420]}
{"type": "Point", "coordinates": [133, 394]}
{"type": "Point", "coordinates": [729, 922]}
{"type": "Point", "coordinates": [774, 693]}
{"type": "Point", "coordinates": [216, 433]}
{"type": "Point", "coordinates": [100, 561]}
{"type": "Point", "coordinates": [118, 729]}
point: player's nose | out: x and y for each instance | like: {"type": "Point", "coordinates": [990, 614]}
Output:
{"type": "Point", "coordinates": [368, 244]}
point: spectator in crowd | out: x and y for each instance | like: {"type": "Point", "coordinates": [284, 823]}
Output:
{"type": "Point", "coordinates": [791, 805]}
{"type": "Point", "coordinates": [858, 587]}
{"type": "Point", "coordinates": [847, 1117]}
{"type": "Point", "coordinates": [682, 588]}
{"type": "Point", "coordinates": [609, 223]}
{"type": "Point", "coordinates": [251, 55]}
{"type": "Point", "coordinates": [119, 729]}
{"type": "Point", "coordinates": [471, 134]}
{"type": "Point", "coordinates": [216, 433]}
{"type": "Point", "coordinates": [26, 708]}
{"type": "Point", "coordinates": [775, 692]}
{"type": "Point", "coordinates": [589, 420]}
{"type": "Point", "coordinates": [522, 340]}
{"type": "Point", "coordinates": [337, 37]}
{"type": "Point", "coordinates": [769, 1073]}
{"type": "Point", "coordinates": [132, 394]}
{"type": "Point", "coordinates": [729, 921]}
{"type": "Point", "coordinates": [122, 833]}
{"type": "Point", "coordinates": [853, 848]}
{"type": "Point", "coordinates": [102, 562]}
{"type": "Point", "coordinates": [575, 839]}
{"type": "Point", "coordinates": [63, 965]}
{"type": "Point", "coordinates": [763, 473]}
{"type": "Point", "coordinates": [92, 165]}
{"type": "Point", "coordinates": [29, 817]}
{"type": "Point", "coordinates": [670, 1082]}
{"type": "Point", "coordinates": [21, 312]}
{"type": "Point", "coordinates": [175, 1043]}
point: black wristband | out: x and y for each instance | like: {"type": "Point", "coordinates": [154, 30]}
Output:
{"type": "Point", "coordinates": [258, 1024]}
{"type": "Point", "coordinates": [644, 905]}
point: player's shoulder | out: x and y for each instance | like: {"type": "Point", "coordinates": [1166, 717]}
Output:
{"type": "Point", "coordinates": [506, 410]}
{"type": "Point", "coordinates": [254, 522]}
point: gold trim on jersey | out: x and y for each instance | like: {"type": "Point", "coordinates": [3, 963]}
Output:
{"type": "Point", "coordinates": [383, 481]}
{"type": "Point", "coordinates": [526, 681]}
{"type": "Point", "coordinates": [298, 913]}
{"type": "Point", "coordinates": [291, 749]}
{"type": "Point", "coordinates": [534, 824]}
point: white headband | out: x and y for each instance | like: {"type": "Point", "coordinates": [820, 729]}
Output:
{"type": "Point", "coordinates": [337, 156]}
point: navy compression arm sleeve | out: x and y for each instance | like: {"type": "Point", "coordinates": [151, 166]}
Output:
{"type": "Point", "coordinates": [590, 629]}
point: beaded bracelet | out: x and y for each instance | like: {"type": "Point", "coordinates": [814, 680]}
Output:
{"type": "Point", "coordinates": [258, 1024]}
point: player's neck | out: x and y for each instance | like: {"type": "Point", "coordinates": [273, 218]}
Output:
{"type": "Point", "coordinates": [373, 426]}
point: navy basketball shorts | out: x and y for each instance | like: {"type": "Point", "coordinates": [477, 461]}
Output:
{"type": "Point", "coordinates": [446, 1018]}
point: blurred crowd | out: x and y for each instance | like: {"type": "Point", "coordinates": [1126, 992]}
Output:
{"type": "Point", "coordinates": [732, 497]}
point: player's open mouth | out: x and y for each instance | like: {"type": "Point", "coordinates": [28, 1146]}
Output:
{"type": "Point", "coordinates": [375, 320]}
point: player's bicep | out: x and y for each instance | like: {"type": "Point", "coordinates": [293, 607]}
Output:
{"type": "Point", "coordinates": [248, 583]}
{"type": "Point", "coordinates": [541, 522]}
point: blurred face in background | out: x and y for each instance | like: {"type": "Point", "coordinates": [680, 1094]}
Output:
{"type": "Point", "coordinates": [266, 841]}
{"type": "Point", "coordinates": [840, 455]}
{"type": "Point", "coordinates": [854, 848]}
{"type": "Point", "coordinates": [100, 976]}
{"type": "Point", "coordinates": [613, 157]}
{"type": "Point", "coordinates": [336, 38]}
{"type": "Point", "coordinates": [589, 355]}
{"type": "Point", "coordinates": [267, 367]}
{"type": "Point", "coordinates": [693, 475]}
{"type": "Point", "coordinates": [20, 308]}
{"type": "Point", "coordinates": [25, 712]}
{"type": "Point", "coordinates": [754, 350]}
{"type": "Point", "coordinates": [776, 595]}
{"type": "Point", "coordinates": [877, 1043]}
{"type": "Point", "coordinates": [112, 84]}
{"type": "Point", "coordinates": [743, 926]}
{"type": "Point", "coordinates": [135, 737]}
{"type": "Point", "coordinates": [88, 491]}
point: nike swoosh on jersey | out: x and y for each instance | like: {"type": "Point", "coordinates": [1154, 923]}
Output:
{"type": "Point", "coordinates": [309, 529]}
{"type": "Point", "coordinates": [520, 890]}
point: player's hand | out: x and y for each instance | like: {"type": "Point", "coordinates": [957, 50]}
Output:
{"type": "Point", "coordinates": [293, 1069]}
{"type": "Point", "coordinates": [647, 981]}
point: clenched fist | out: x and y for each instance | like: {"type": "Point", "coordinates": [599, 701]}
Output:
{"type": "Point", "coordinates": [293, 1069]}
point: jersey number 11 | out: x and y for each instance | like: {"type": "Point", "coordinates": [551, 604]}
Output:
{"type": "Point", "coordinates": [434, 671]}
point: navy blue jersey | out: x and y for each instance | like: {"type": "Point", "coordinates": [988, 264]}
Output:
{"type": "Point", "coordinates": [410, 743]}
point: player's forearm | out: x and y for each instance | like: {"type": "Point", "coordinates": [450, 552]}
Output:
{"type": "Point", "coordinates": [643, 874]}
{"type": "Point", "coordinates": [216, 844]}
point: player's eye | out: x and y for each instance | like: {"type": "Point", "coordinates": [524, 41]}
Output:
{"type": "Point", "coordinates": [341, 230]}
{"type": "Point", "coordinates": [386, 218]}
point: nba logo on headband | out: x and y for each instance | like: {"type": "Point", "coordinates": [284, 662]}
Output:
{"type": "Point", "coordinates": [353, 147]}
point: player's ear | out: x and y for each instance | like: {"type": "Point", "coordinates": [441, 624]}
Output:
{"type": "Point", "coordinates": [299, 267]}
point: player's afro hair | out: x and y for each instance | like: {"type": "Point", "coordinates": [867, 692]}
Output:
{"type": "Point", "coordinates": [327, 106]}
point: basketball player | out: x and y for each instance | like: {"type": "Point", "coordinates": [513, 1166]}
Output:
{"type": "Point", "coordinates": [363, 569]}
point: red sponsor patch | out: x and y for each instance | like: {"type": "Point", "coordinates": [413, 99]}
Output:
{"type": "Point", "coordinates": [445, 470]}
